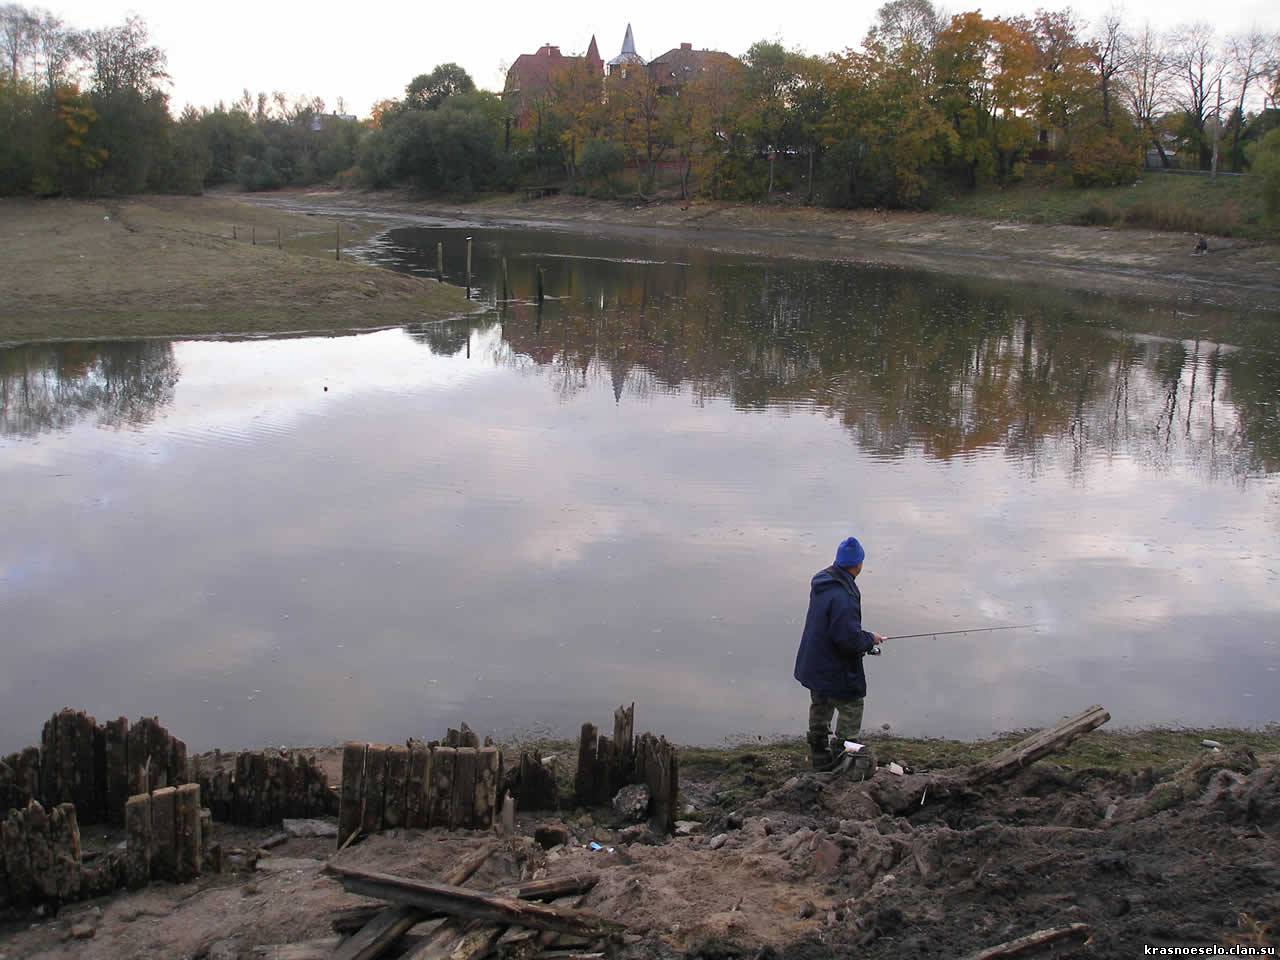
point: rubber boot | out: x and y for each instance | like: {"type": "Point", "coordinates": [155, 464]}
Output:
{"type": "Point", "coordinates": [820, 756]}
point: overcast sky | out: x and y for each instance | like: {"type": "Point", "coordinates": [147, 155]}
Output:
{"type": "Point", "coordinates": [365, 53]}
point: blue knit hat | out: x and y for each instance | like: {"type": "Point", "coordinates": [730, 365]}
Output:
{"type": "Point", "coordinates": [850, 553]}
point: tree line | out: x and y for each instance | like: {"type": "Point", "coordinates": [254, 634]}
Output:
{"type": "Point", "coordinates": [924, 105]}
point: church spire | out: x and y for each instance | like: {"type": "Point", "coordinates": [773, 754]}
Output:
{"type": "Point", "coordinates": [629, 42]}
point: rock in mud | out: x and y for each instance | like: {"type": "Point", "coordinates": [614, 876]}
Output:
{"type": "Point", "coordinates": [687, 828]}
{"type": "Point", "coordinates": [632, 802]}
{"type": "Point", "coordinates": [718, 841]}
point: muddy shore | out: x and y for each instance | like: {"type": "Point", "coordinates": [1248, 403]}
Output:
{"type": "Point", "coordinates": [1235, 274]}
{"type": "Point", "coordinates": [183, 266]}
{"type": "Point", "coordinates": [1144, 838]}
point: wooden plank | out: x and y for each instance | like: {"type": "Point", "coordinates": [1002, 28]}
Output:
{"type": "Point", "coordinates": [382, 931]}
{"type": "Point", "coordinates": [1032, 942]}
{"type": "Point", "coordinates": [117, 744]}
{"type": "Point", "coordinates": [518, 943]}
{"type": "Point", "coordinates": [396, 796]}
{"type": "Point", "coordinates": [375, 786]}
{"type": "Point", "coordinates": [472, 904]}
{"type": "Point", "coordinates": [443, 761]}
{"type": "Point", "coordinates": [64, 844]}
{"type": "Point", "coordinates": [417, 791]}
{"type": "Point", "coordinates": [137, 824]}
{"type": "Point", "coordinates": [351, 790]}
{"type": "Point", "coordinates": [187, 838]}
{"type": "Point", "coordinates": [462, 810]}
{"type": "Point", "coordinates": [1025, 752]}
{"type": "Point", "coordinates": [488, 771]}
{"type": "Point", "coordinates": [164, 832]}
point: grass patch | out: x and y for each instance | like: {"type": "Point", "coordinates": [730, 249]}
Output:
{"type": "Point", "coordinates": [1227, 207]}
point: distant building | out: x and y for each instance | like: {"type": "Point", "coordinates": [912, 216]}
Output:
{"type": "Point", "coordinates": [627, 59]}
{"type": "Point", "coordinates": [677, 67]}
{"type": "Point", "coordinates": [321, 120]}
{"type": "Point", "coordinates": [532, 75]}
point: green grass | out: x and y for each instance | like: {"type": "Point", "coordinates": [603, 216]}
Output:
{"type": "Point", "coordinates": [1227, 206]}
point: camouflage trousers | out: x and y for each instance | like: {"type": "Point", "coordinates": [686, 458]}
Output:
{"type": "Point", "coordinates": [848, 719]}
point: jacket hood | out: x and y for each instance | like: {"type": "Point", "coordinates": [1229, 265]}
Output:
{"type": "Point", "coordinates": [830, 579]}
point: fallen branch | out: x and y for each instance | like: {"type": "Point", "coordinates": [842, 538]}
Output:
{"type": "Point", "coordinates": [1032, 942]}
{"type": "Point", "coordinates": [471, 904]}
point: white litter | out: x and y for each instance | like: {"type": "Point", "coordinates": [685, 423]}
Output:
{"type": "Point", "coordinates": [897, 768]}
{"type": "Point", "coordinates": [1210, 743]}
{"type": "Point", "coordinates": [853, 747]}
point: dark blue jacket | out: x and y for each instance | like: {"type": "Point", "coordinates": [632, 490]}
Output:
{"type": "Point", "coordinates": [829, 661]}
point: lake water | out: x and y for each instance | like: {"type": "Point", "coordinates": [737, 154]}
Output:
{"type": "Point", "coordinates": [527, 517]}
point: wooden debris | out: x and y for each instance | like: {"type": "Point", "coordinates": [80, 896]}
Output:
{"type": "Point", "coordinates": [471, 904]}
{"type": "Point", "coordinates": [389, 924]}
{"type": "Point", "coordinates": [351, 790]}
{"type": "Point", "coordinates": [1032, 942]}
{"type": "Point", "coordinates": [1025, 752]}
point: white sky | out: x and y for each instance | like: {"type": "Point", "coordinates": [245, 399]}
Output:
{"type": "Point", "coordinates": [364, 54]}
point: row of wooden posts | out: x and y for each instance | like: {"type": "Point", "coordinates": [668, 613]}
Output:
{"type": "Point", "coordinates": [261, 788]}
{"type": "Point", "coordinates": [167, 836]}
{"type": "Point", "coordinates": [96, 767]}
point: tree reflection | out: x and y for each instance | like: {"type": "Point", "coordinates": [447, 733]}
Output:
{"type": "Point", "coordinates": [906, 361]}
{"type": "Point", "coordinates": [50, 387]}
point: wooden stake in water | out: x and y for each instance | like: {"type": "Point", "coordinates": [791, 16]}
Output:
{"type": "Point", "coordinates": [505, 283]}
{"type": "Point", "coordinates": [337, 244]}
{"type": "Point", "coordinates": [253, 235]}
{"type": "Point", "coordinates": [235, 232]}
{"type": "Point", "coordinates": [279, 241]}
{"type": "Point", "coordinates": [440, 262]}
{"type": "Point", "coordinates": [539, 271]}
{"type": "Point", "coordinates": [468, 268]}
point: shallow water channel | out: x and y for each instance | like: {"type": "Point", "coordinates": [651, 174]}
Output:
{"type": "Point", "coordinates": [524, 518]}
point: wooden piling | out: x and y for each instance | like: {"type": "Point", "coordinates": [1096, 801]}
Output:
{"type": "Point", "coordinates": [393, 805]}
{"type": "Point", "coordinates": [337, 242]}
{"type": "Point", "coordinates": [468, 268]}
{"type": "Point", "coordinates": [253, 235]}
{"type": "Point", "coordinates": [41, 853]}
{"type": "Point", "coordinates": [64, 844]}
{"type": "Point", "coordinates": [538, 271]}
{"type": "Point", "coordinates": [164, 851]}
{"type": "Point", "coordinates": [137, 824]}
{"type": "Point", "coordinates": [416, 809]}
{"type": "Point", "coordinates": [443, 762]}
{"type": "Point", "coordinates": [440, 262]}
{"type": "Point", "coordinates": [235, 232]}
{"type": "Point", "coordinates": [506, 280]}
{"type": "Point", "coordinates": [351, 790]}
{"type": "Point", "coordinates": [584, 780]}
{"type": "Point", "coordinates": [279, 240]}
{"type": "Point", "coordinates": [375, 786]}
{"type": "Point", "coordinates": [117, 743]}
{"type": "Point", "coordinates": [462, 810]}
{"type": "Point", "coordinates": [488, 771]}
{"type": "Point", "coordinates": [17, 857]}
{"type": "Point", "coordinates": [187, 836]}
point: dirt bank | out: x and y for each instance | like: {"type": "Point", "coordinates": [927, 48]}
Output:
{"type": "Point", "coordinates": [159, 266]}
{"type": "Point", "coordinates": [1157, 265]}
{"type": "Point", "coordinates": [1122, 833]}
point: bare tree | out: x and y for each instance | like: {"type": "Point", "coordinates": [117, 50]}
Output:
{"type": "Point", "coordinates": [17, 37]}
{"type": "Point", "coordinates": [123, 58]}
{"type": "Point", "coordinates": [59, 49]}
{"type": "Point", "coordinates": [1199, 67]}
{"type": "Point", "coordinates": [1249, 56]}
{"type": "Point", "coordinates": [1110, 56]}
{"type": "Point", "coordinates": [1145, 80]}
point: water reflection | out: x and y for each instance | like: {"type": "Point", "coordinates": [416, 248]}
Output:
{"type": "Point", "coordinates": [526, 517]}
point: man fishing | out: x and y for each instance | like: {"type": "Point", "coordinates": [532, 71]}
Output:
{"type": "Point", "coordinates": [829, 661]}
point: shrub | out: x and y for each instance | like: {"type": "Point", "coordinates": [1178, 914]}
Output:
{"type": "Point", "coordinates": [254, 174]}
{"type": "Point", "coordinates": [1264, 160]}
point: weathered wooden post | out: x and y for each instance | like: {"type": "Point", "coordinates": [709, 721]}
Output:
{"type": "Point", "coordinates": [539, 270]}
{"type": "Point", "coordinates": [440, 802]}
{"type": "Point", "coordinates": [351, 792]}
{"type": "Point", "coordinates": [506, 284]}
{"type": "Point", "coordinates": [137, 824]}
{"type": "Point", "coordinates": [440, 262]}
{"type": "Point", "coordinates": [468, 268]}
{"type": "Point", "coordinates": [235, 232]}
{"type": "Point", "coordinates": [462, 812]}
{"type": "Point", "coordinates": [375, 786]}
{"type": "Point", "coordinates": [488, 770]}
{"type": "Point", "coordinates": [393, 808]}
{"type": "Point", "coordinates": [164, 831]}
{"type": "Point", "coordinates": [337, 243]}
{"type": "Point", "coordinates": [187, 838]}
{"type": "Point", "coordinates": [253, 235]}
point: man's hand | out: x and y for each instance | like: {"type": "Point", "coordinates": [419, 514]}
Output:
{"type": "Point", "coordinates": [876, 638]}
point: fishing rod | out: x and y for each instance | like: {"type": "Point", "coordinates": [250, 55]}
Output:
{"type": "Point", "coordinates": [875, 651]}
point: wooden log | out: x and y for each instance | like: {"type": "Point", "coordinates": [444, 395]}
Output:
{"type": "Point", "coordinates": [64, 844]}
{"type": "Point", "coordinates": [40, 850]}
{"type": "Point", "coordinates": [472, 904]}
{"type": "Point", "coordinates": [390, 923]}
{"type": "Point", "coordinates": [117, 759]}
{"type": "Point", "coordinates": [462, 809]}
{"type": "Point", "coordinates": [351, 919]}
{"type": "Point", "coordinates": [351, 790]}
{"type": "Point", "coordinates": [1032, 942]}
{"type": "Point", "coordinates": [17, 857]}
{"type": "Point", "coordinates": [1025, 752]}
{"type": "Point", "coordinates": [375, 786]}
{"type": "Point", "coordinates": [137, 824]}
{"type": "Point", "coordinates": [164, 832]}
{"type": "Point", "coordinates": [488, 766]}
{"type": "Point", "coordinates": [417, 812]}
{"type": "Point", "coordinates": [187, 839]}
{"type": "Point", "coordinates": [440, 802]}
{"type": "Point", "coordinates": [396, 797]}
{"type": "Point", "coordinates": [519, 943]}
